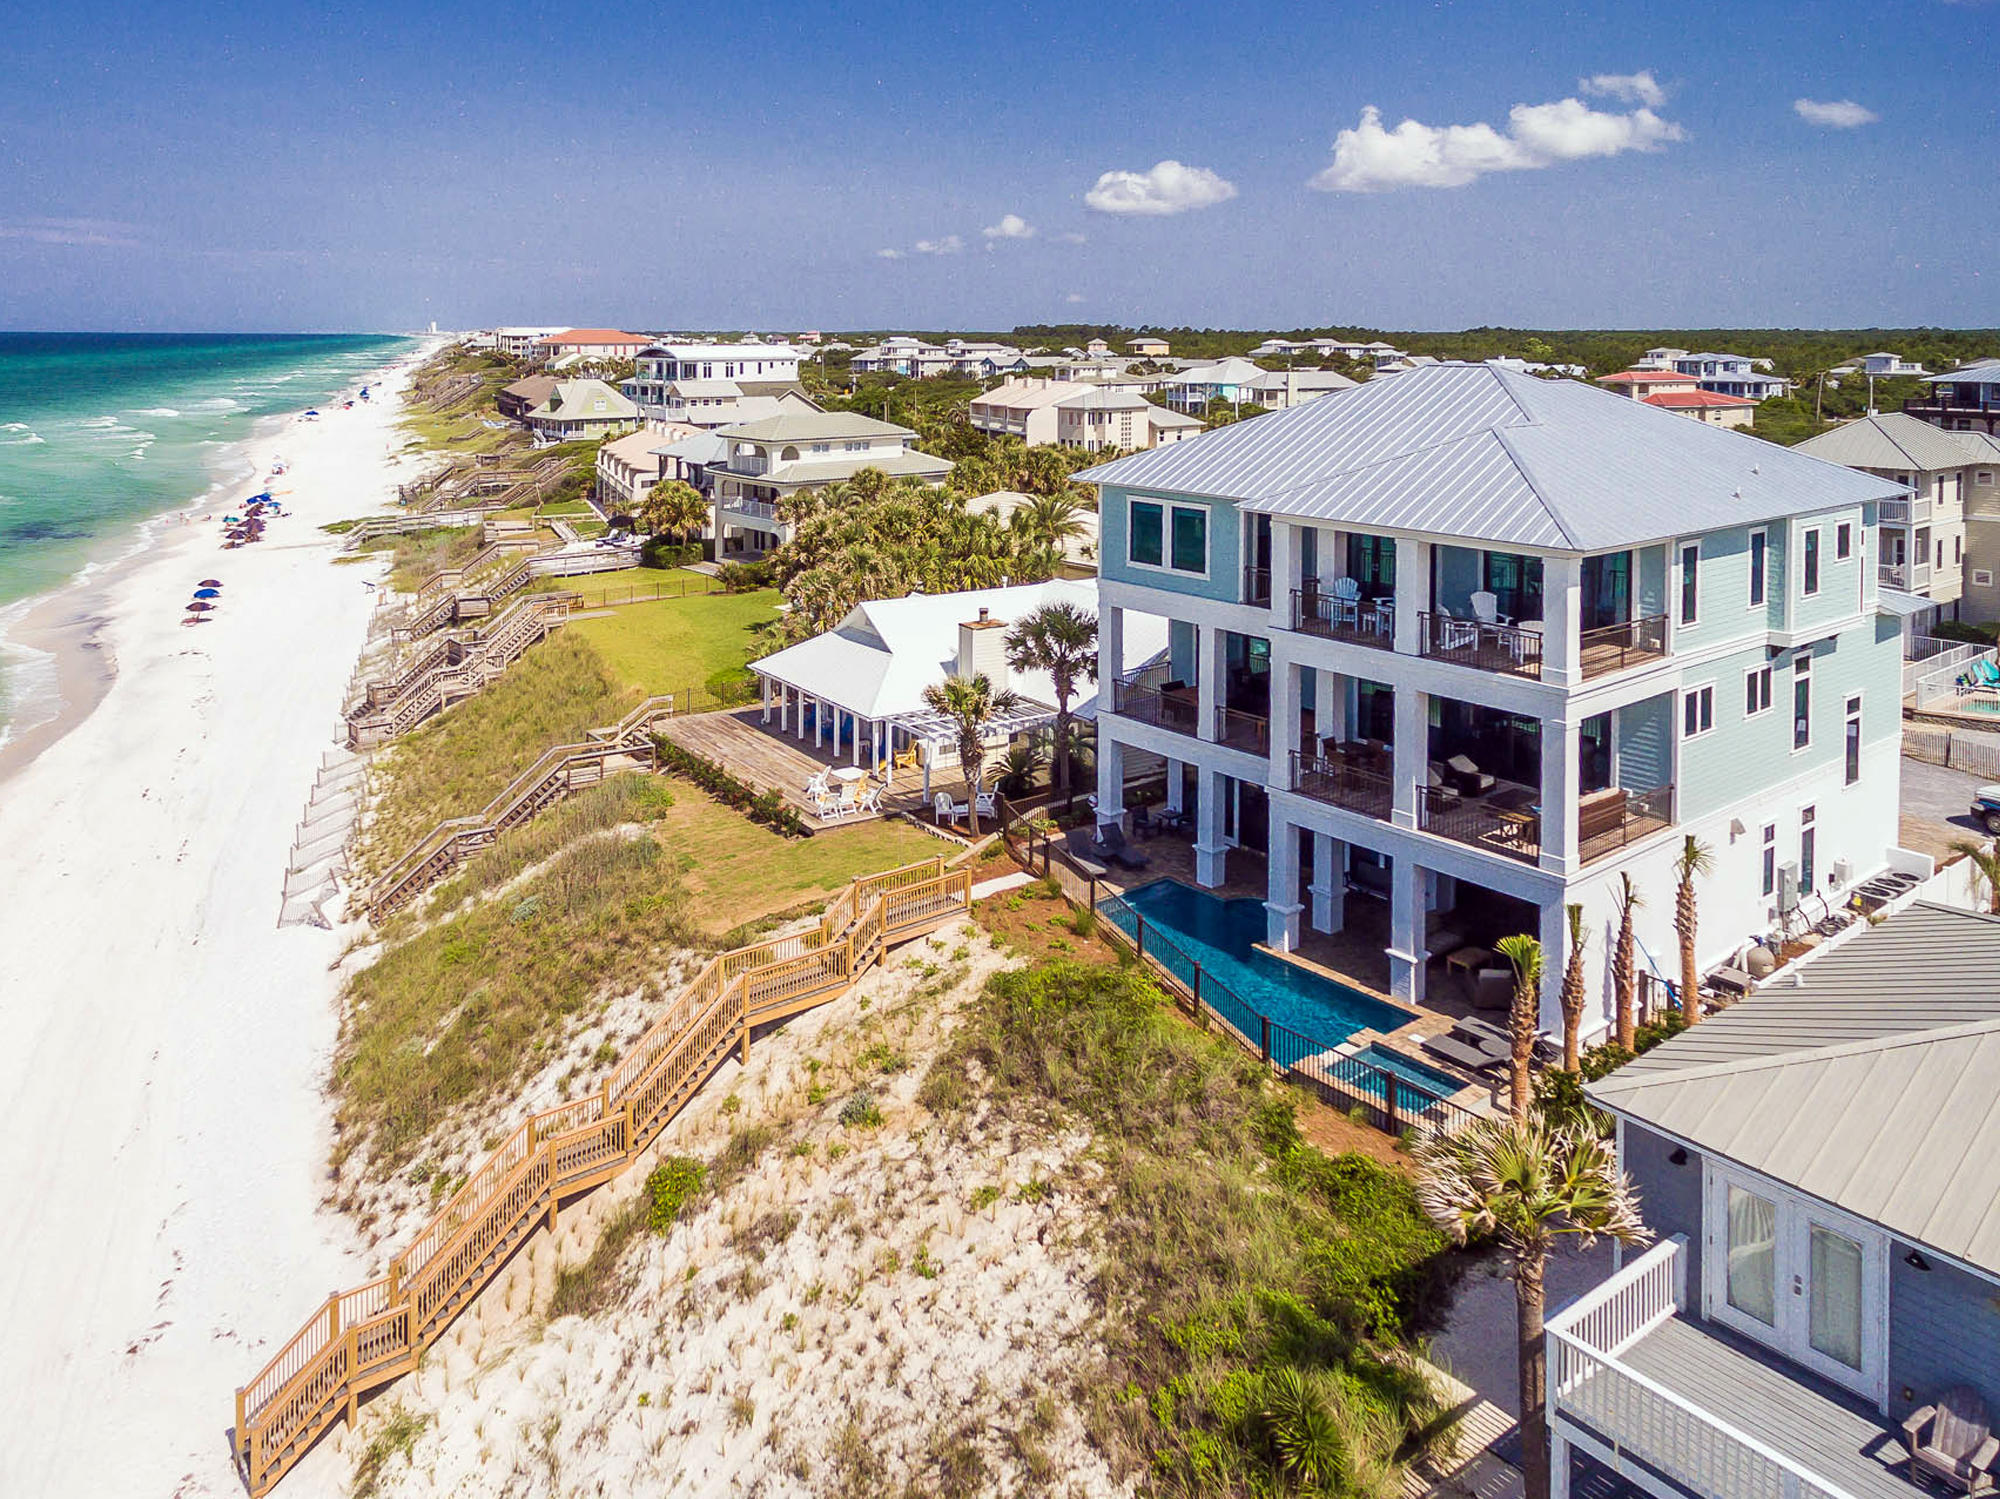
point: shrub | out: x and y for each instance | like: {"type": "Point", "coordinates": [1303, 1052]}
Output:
{"type": "Point", "coordinates": [765, 807]}
{"type": "Point", "coordinates": [746, 577]}
{"type": "Point", "coordinates": [675, 1182]}
{"type": "Point", "coordinates": [861, 1111]}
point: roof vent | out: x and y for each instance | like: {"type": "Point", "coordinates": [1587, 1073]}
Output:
{"type": "Point", "coordinates": [1736, 494]}
{"type": "Point", "coordinates": [1756, 468]}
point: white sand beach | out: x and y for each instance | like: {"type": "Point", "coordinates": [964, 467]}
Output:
{"type": "Point", "coordinates": [163, 1043]}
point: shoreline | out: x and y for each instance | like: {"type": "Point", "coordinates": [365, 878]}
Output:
{"type": "Point", "coordinates": [66, 624]}
{"type": "Point", "coordinates": [164, 1045]}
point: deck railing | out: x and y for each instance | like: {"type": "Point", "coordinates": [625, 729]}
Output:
{"type": "Point", "coordinates": [1358, 621]}
{"type": "Point", "coordinates": [1607, 1403]}
{"type": "Point", "coordinates": [1244, 731]}
{"type": "Point", "coordinates": [358, 1340]}
{"type": "Point", "coordinates": [1257, 585]}
{"type": "Point", "coordinates": [1341, 784]}
{"type": "Point", "coordinates": [1167, 710]}
{"type": "Point", "coordinates": [1610, 648]}
{"type": "Point", "coordinates": [1495, 647]}
{"type": "Point", "coordinates": [1515, 832]}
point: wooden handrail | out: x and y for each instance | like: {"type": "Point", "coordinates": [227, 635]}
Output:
{"type": "Point", "coordinates": [358, 1340]}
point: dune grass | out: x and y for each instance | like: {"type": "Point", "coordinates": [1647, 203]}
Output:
{"type": "Point", "coordinates": [456, 763]}
{"type": "Point", "coordinates": [672, 644]}
{"type": "Point", "coordinates": [1256, 1291]}
{"type": "Point", "coordinates": [415, 555]}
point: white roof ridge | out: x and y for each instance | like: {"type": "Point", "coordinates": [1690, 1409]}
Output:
{"type": "Point", "coordinates": [1737, 1066]}
{"type": "Point", "coordinates": [1521, 467]}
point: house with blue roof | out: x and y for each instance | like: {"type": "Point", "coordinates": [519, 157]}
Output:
{"type": "Point", "coordinates": [1452, 651]}
{"type": "Point", "coordinates": [1731, 375]}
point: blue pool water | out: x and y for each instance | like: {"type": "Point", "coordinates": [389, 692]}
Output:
{"type": "Point", "coordinates": [1185, 926]}
{"type": "Point", "coordinates": [1427, 1080]}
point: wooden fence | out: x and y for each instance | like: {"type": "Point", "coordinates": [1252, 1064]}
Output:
{"type": "Point", "coordinates": [359, 1340]}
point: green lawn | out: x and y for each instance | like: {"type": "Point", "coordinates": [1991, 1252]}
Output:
{"type": "Point", "coordinates": [672, 644]}
{"type": "Point", "coordinates": [635, 584]}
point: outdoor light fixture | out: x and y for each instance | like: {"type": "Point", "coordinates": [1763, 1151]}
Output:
{"type": "Point", "coordinates": [1916, 1261]}
{"type": "Point", "coordinates": [1677, 1156]}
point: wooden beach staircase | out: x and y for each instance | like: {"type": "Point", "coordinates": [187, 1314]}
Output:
{"type": "Point", "coordinates": [473, 591]}
{"type": "Point", "coordinates": [626, 745]}
{"type": "Point", "coordinates": [453, 669]}
{"type": "Point", "coordinates": [359, 1340]}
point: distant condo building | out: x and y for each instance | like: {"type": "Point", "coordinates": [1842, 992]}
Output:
{"type": "Point", "coordinates": [917, 360]}
{"type": "Point", "coordinates": [1076, 413]}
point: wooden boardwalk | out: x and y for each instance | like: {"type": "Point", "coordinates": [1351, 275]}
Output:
{"type": "Point", "coordinates": [359, 1340]}
{"type": "Point", "coordinates": [747, 748]}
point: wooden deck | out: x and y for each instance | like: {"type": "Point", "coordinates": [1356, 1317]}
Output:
{"type": "Point", "coordinates": [744, 745]}
{"type": "Point", "coordinates": [1822, 1430]}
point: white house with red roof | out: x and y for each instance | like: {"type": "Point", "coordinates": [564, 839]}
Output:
{"type": "Point", "coordinates": [593, 343]}
{"type": "Point", "coordinates": [1710, 406]}
{"type": "Point", "coordinates": [1640, 383]}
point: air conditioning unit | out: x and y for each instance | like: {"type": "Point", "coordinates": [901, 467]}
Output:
{"type": "Point", "coordinates": [1788, 886]}
{"type": "Point", "coordinates": [1842, 874]}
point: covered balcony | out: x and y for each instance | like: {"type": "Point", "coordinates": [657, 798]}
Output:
{"type": "Point", "coordinates": [1676, 1406]}
{"type": "Point", "coordinates": [1237, 712]}
{"type": "Point", "coordinates": [1347, 588]}
{"type": "Point", "coordinates": [1487, 611]}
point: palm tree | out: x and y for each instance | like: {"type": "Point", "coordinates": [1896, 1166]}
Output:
{"type": "Point", "coordinates": [1572, 990]}
{"type": "Point", "coordinates": [1624, 978]}
{"type": "Point", "coordinates": [1693, 861]}
{"type": "Point", "coordinates": [1525, 953]}
{"type": "Point", "coordinates": [970, 702]}
{"type": "Point", "coordinates": [1060, 639]}
{"type": "Point", "coordinates": [1049, 520]}
{"type": "Point", "coordinates": [676, 508]}
{"type": "Point", "coordinates": [1985, 859]}
{"type": "Point", "coordinates": [1526, 1182]}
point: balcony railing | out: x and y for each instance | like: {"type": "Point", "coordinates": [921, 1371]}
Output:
{"type": "Point", "coordinates": [1611, 648]}
{"type": "Point", "coordinates": [1513, 649]}
{"type": "Point", "coordinates": [1906, 511]}
{"type": "Point", "coordinates": [1167, 710]}
{"type": "Point", "coordinates": [755, 509]}
{"type": "Point", "coordinates": [1505, 822]}
{"type": "Point", "coordinates": [1244, 731]}
{"type": "Point", "coordinates": [1341, 784]}
{"type": "Point", "coordinates": [1359, 621]}
{"type": "Point", "coordinates": [1257, 585]}
{"type": "Point", "coordinates": [1609, 820]}
{"type": "Point", "coordinates": [1907, 576]}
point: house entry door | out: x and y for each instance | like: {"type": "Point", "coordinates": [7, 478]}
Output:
{"type": "Point", "coordinates": [1802, 1279]}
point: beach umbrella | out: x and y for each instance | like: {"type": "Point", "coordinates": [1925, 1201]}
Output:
{"type": "Point", "coordinates": [209, 583]}
{"type": "Point", "coordinates": [208, 593]}
{"type": "Point", "coordinates": [198, 607]}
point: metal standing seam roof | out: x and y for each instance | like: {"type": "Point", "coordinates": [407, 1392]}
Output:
{"type": "Point", "coordinates": [1983, 447]}
{"type": "Point", "coordinates": [1476, 453]}
{"type": "Point", "coordinates": [1871, 1081]}
{"type": "Point", "coordinates": [832, 470]}
{"type": "Point", "coordinates": [1979, 372]}
{"type": "Point", "coordinates": [1892, 440]}
{"type": "Point", "coordinates": [814, 426]}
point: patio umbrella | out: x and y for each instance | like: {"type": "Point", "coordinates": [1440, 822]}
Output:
{"type": "Point", "coordinates": [198, 607]}
{"type": "Point", "coordinates": [208, 593]}
{"type": "Point", "coordinates": [209, 583]}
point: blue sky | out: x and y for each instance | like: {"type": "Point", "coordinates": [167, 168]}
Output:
{"type": "Point", "coordinates": [374, 166]}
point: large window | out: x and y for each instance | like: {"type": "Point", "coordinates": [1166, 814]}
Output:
{"type": "Point", "coordinates": [1690, 582]}
{"type": "Point", "coordinates": [1171, 537]}
{"type": "Point", "coordinates": [1801, 700]}
{"type": "Point", "coordinates": [1811, 584]}
{"type": "Point", "coordinates": [1843, 541]}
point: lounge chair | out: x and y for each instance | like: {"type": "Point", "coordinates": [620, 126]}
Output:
{"type": "Point", "coordinates": [1467, 776]}
{"type": "Point", "coordinates": [1486, 609]}
{"type": "Point", "coordinates": [1472, 1056]}
{"type": "Point", "coordinates": [986, 803]}
{"type": "Point", "coordinates": [1953, 1441]}
{"type": "Point", "coordinates": [1082, 851]}
{"type": "Point", "coordinates": [1111, 845]}
{"type": "Point", "coordinates": [1438, 791]}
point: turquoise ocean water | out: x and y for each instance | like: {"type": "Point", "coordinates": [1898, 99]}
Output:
{"type": "Point", "coordinates": [99, 431]}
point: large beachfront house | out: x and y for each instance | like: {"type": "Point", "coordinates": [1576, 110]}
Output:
{"type": "Point", "coordinates": [1821, 1165]}
{"type": "Point", "coordinates": [672, 381]}
{"type": "Point", "coordinates": [781, 455]}
{"type": "Point", "coordinates": [1923, 532]}
{"type": "Point", "coordinates": [1077, 413]}
{"type": "Point", "coordinates": [1965, 400]}
{"type": "Point", "coordinates": [581, 408]}
{"type": "Point", "coordinates": [1465, 629]}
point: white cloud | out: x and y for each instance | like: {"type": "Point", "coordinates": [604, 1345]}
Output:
{"type": "Point", "coordinates": [1073, 298]}
{"type": "Point", "coordinates": [1168, 188]}
{"type": "Point", "coordinates": [890, 254]}
{"type": "Point", "coordinates": [98, 232]}
{"type": "Point", "coordinates": [1011, 226]}
{"type": "Point", "coordinates": [1370, 159]}
{"type": "Point", "coordinates": [1835, 114]}
{"type": "Point", "coordinates": [1628, 88]}
{"type": "Point", "coordinates": [951, 244]}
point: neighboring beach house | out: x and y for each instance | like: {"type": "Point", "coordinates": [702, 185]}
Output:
{"type": "Point", "coordinates": [1922, 548]}
{"type": "Point", "coordinates": [630, 466]}
{"type": "Point", "coordinates": [1076, 413]}
{"type": "Point", "coordinates": [1280, 390]}
{"type": "Point", "coordinates": [1731, 375]}
{"type": "Point", "coordinates": [1965, 400]}
{"type": "Point", "coordinates": [780, 455]}
{"type": "Point", "coordinates": [596, 344]}
{"type": "Point", "coordinates": [1708, 406]}
{"type": "Point", "coordinates": [581, 408]}
{"type": "Point", "coordinates": [1467, 635]}
{"type": "Point", "coordinates": [520, 342]}
{"type": "Point", "coordinates": [515, 401]}
{"type": "Point", "coordinates": [1639, 383]}
{"type": "Point", "coordinates": [1821, 1164]}
{"type": "Point", "coordinates": [668, 378]}
{"type": "Point", "coordinates": [1146, 346]}
{"type": "Point", "coordinates": [1224, 380]}
{"type": "Point", "coordinates": [903, 355]}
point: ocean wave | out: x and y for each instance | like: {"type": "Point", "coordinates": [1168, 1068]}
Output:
{"type": "Point", "coordinates": [156, 411]}
{"type": "Point", "coordinates": [14, 427]}
{"type": "Point", "coordinates": [20, 442]}
{"type": "Point", "coordinates": [219, 403]}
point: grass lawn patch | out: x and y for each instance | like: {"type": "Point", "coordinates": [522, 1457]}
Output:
{"type": "Point", "coordinates": [1258, 1293]}
{"type": "Point", "coordinates": [640, 584]}
{"type": "Point", "coordinates": [672, 644]}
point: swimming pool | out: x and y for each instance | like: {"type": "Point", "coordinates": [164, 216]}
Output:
{"type": "Point", "coordinates": [1409, 1071]}
{"type": "Point", "coordinates": [1185, 926]}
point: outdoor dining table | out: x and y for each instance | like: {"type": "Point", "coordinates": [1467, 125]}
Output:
{"type": "Point", "coordinates": [849, 773]}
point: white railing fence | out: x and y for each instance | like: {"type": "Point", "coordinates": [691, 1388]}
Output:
{"type": "Point", "coordinates": [1590, 1388]}
{"type": "Point", "coordinates": [1936, 674]}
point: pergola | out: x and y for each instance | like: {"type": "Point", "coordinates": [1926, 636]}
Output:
{"type": "Point", "coordinates": [932, 732]}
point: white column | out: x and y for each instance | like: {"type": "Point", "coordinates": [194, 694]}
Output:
{"type": "Point", "coordinates": [1281, 894]}
{"type": "Point", "coordinates": [1211, 662]}
{"type": "Point", "coordinates": [764, 684]}
{"type": "Point", "coordinates": [1210, 853]}
{"type": "Point", "coordinates": [1562, 620]}
{"type": "Point", "coordinates": [1559, 1463]}
{"type": "Point", "coordinates": [1110, 779]}
{"type": "Point", "coordinates": [1284, 723]}
{"type": "Point", "coordinates": [854, 752]}
{"type": "Point", "coordinates": [1411, 756]}
{"type": "Point", "coordinates": [1284, 570]}
{"type": "Point", "coordinates": [1561, 753]}
{"type": "Point", "coordinates": [1329, 888]}
{"type": "Point", "coordinates": [1110, 650]}
{"type": "Point", "coordinates": [1413, 593]}
{"type": "Point", "coordinates": [1176, 787]}
{"type": "Point", "coordinates": [1406, 930]}
{"type": "Point", "coordinates": [819, 723]}
{"type": "Point", "coordinates": [1553, 934]}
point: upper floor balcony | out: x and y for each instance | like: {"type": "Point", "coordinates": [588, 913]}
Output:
{"type": "Point", "coordinates": [1909, 577]}
{"type": "Point", "coordinates": [753, 509]}
{"type": "Point", "coordinates": [1907, 511]}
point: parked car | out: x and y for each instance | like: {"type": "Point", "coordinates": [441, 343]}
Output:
{"type": "Point", "coordinates": [1986, 808]}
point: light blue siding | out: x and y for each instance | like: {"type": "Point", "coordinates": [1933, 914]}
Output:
{"type": "Point", "coordinates": [1225, 546]}
{"type": "Point", "coordinates": [1839, 595]}
{"type": "Point", "coordinates": [1651, 582]}
{"type": "Point", "coordinates": [1723, 603]}
{"type": "Point", "coordinates": [1944, 1326]}
{"type": "Point", "coordinates": [1669, 1196]}
{"type": "Point", "coordinates": [1645, 737]}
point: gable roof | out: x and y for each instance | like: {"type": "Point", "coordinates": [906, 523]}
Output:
{"type": "Point", "coordinates": [1647, 377]}
{"type": "Point", "coordinates": [814, 426]}
{"type": "Point", "coordinates": [1679, 400]}
{"type": "Point", "coordinates": [595, 336]}
{"type": "Point", "coordinates": [1870, 1080]}
{"type": "Point", "coordinates": [1983, 447]}
{"type": "Point", "coordinates": [1893, 440]}
{"type": "Point", "coordinates": [1491, 455]}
